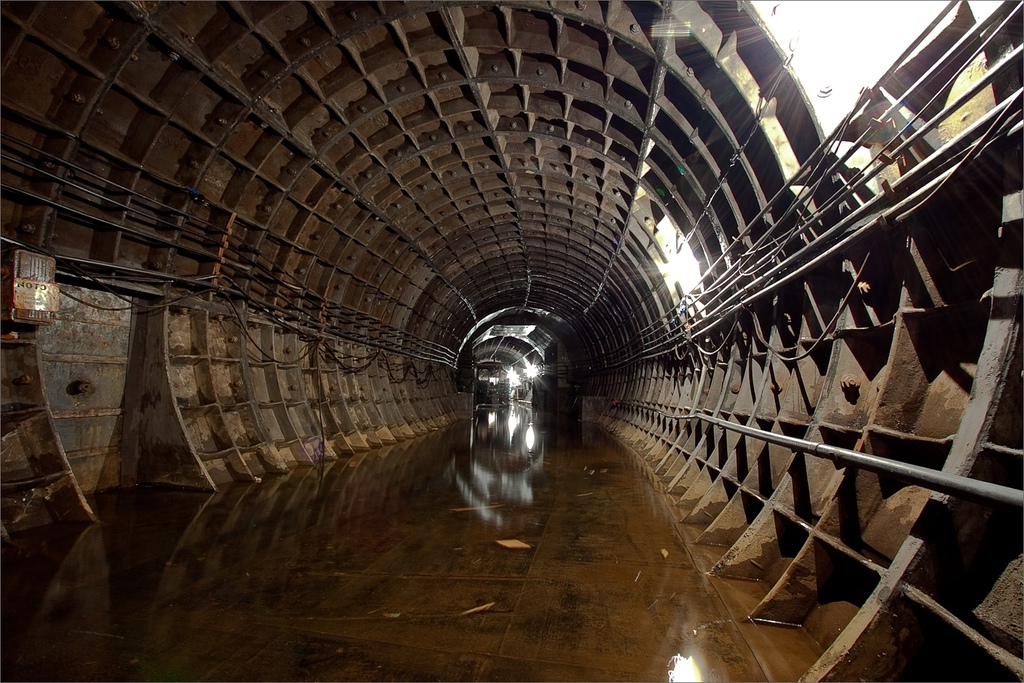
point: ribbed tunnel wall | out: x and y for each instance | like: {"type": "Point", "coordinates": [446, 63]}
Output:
{"type": "Point", "coordinates": [281, 228]}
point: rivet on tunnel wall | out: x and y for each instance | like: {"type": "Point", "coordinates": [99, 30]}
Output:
{"type": "Point", "coordinates": [850, 386]}
{"type": "Point", "coordinates": [735, 389]}
{"type": "Point", "coordinates": [26, 228]}
{"type": "Point", "coordinates": [76, 98]}
{"type": "Point", "coordinates": [80, 387]}
{"type": "Point", "coordinates": [112, 42]}
{"type": "Point", "coordinates": [21, 380]}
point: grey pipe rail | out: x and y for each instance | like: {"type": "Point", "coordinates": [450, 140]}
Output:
{"type": "Point", "coordinates": [975, 490]}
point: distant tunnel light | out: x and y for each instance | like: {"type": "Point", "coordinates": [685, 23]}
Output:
{"type": "Point", "coordinates": [531, 370]}
{"type": "Point", "coordinates": [513, 377]}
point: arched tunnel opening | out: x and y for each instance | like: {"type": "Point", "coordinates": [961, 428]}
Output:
{"type": "Point", "coordinates": [253, 248]}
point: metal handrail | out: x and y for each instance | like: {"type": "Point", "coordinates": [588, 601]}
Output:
{"type": "Point", "coordinates": [975, 490]}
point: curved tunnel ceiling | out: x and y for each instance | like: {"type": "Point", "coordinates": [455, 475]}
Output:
{"type": "Point", "coordinates": [402, 171]}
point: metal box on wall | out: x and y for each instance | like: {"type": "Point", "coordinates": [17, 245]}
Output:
{"type": "Point", "coordinates": [29, 293]}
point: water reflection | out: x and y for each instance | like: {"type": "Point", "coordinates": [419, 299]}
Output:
{"type": "Point", "coordinates": [316, 575]}
{"type": "Point", "coordinates": [502, 467]}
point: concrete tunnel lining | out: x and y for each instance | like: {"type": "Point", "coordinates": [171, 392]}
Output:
{"type": "Point", "coordinates": [309, 213]}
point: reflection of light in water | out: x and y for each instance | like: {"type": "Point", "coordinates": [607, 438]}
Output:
{"type": "Point", "coordinates": [683, 669]}
{"type": "Point", "coordinates": [491, 417]}
{"type": "Point", "coordinates": [495, 473]}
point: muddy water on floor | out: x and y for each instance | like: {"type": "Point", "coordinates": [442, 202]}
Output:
{"type": "Point", "coordinates": [390, 570]}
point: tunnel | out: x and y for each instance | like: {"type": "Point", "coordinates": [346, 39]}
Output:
{"type": "Point", "coordinates": [243, 241]}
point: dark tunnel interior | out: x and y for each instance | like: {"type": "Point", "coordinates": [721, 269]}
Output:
{"type": "Point", "coordinates": [245, 238]}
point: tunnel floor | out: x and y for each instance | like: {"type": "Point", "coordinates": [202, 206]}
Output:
{"type": "Point", "coordinates": [392, 570]}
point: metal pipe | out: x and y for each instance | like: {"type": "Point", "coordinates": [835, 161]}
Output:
{"type": "Point", "coordinates": [19, 485]}
{"type": "Point", "coordinates": [975, 490]}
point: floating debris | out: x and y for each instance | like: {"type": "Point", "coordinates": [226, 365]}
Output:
{"type": "Point", "coordinates": [481, 608]}
{"type": "Point", "coordinates": [478, 507]}
{"type": "Point", "coordinates": [513, 543]}
{"type": "Point", "coordinates": [664, 553]}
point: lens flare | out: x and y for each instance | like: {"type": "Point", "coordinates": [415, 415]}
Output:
{"type": "Point", "coordinates": [683, 669]}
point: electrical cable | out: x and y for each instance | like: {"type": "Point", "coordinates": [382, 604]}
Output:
{"type": "Point", "coordinates": [725, 340]}
{"type": "Point", "coordinates": [897, 212]}
{"type": "Point", "coordinates": [825, 332]}
{"type": "Point", "coordinates": [723, 283]}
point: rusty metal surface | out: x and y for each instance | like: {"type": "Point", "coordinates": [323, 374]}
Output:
{"type": "Point", "coordinates": [356, 194]}
{"type": "Point", "coordinates": [412, 165]}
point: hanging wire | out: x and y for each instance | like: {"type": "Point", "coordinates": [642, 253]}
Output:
{"type": "Point", "coordinates": [727, 283]}
{"type": "Point", "coordinates": [827, 331]}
